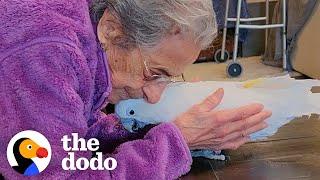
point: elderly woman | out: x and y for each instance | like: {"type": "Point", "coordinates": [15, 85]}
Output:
{"type": "Point", "coordinates": [56, 79]}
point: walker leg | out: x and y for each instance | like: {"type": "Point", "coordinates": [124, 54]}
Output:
{"type": "Point", "coordinates": [236, 37]}
{"type": "Point", "coordinates": [225, 29]}
{"type": "Point", "coordinates": [284, 34]}
{"type": "Point", "coordinates": [267, 22]}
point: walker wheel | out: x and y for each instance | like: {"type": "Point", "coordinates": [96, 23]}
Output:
{"type": "Point", "coordinates": [217, 56]}
{"type": "Point", "coordinates": [234, 70]}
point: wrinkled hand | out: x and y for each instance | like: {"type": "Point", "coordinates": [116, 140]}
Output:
{"type": "Point", "coordinates": [205, 128]}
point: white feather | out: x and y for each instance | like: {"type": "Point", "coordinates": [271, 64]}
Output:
{"type": "Point", "coordinates": [287, 98]}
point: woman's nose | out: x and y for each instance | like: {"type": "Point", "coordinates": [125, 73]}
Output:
{"type": "Point", "coordinates": [153, 92]}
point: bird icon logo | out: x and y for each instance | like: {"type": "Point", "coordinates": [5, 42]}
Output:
{"type": "Point", "coordinates": [29, 153]}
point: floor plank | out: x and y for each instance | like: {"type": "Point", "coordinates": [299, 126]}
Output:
{"type": "Point", "coordinates": [290, 167]}
{"type": "Point", "coordinates": [201, 169]}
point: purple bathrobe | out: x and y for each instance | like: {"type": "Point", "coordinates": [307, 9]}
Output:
{"type": "Point", "coordinates": [54, 79]}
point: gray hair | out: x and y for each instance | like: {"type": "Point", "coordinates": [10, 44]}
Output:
{"type": "Point", "coordinates": [146, 22]}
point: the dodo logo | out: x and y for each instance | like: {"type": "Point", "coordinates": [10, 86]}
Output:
{"type": "Point", "coordinates": [29, 153]}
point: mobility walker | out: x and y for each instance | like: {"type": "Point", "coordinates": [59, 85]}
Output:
{"type": "Point", "coordinates": [234, 69]}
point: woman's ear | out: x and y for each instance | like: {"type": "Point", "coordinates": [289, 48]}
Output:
{"type": "Point", "coordinates": [100, 33]}
{"type": "Point", "coordinates": [108, 28]}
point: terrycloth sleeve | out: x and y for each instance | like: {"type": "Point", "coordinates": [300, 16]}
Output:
{"type": "Point", "coordinates": [42, 89]}
{"type": "Point", "coordinates": [110, 132]}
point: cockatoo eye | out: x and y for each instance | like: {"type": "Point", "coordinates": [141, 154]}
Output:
{"type": "Point", "coordinates": [130, 112]}
{"type": "Point", "coordinates": [29, 147]}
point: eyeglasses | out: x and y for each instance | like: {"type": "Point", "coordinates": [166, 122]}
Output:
{"type": "Point", "coordinates": [159, 78]}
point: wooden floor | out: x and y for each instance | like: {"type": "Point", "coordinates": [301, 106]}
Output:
{"type": "Point", "coordinates": [292, 153]}
{"type": "Point", "coordinates": [252, 68]}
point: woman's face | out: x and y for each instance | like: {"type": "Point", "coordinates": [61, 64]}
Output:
{"type": "Point", "coordinates": [169, 58]}
{"type": "Point", "coordinates": [132, 69]}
